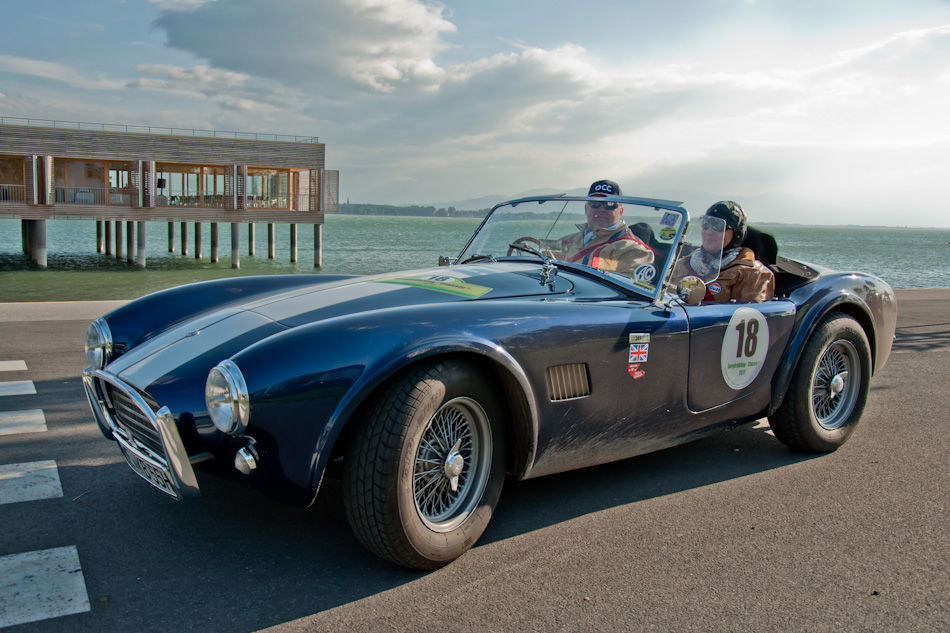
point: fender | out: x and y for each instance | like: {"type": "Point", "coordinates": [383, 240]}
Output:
{"type": "Point", "coordinates": [144, 318]}
{"type": "Point", "coordinates": [306, 384]}
{"type": "Point", "coordinates": [375, 376]}
{"type": "Point", "coordinates": [849, 298]}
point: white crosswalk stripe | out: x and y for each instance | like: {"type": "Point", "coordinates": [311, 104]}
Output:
{"type": "Point", "coordinates": [27, 421]}
{"type": "Point", "coordinates": [44, 584]}
{"type": "Point", "coordinates": [29, 482]}
{"type": "Point", "coordinates": [17, 388]}
{"type": "Point", "coordinates": [41, 585]}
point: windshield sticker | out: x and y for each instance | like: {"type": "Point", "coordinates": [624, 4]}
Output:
{"type": "Point", "coordinates": [646, 272]}
{"type": "Point", "coordinates": [667, 233]}
{"type": "Point", "coordinates": [744, 347]}
{"type": "Point", "coordinates": [440, 283]}
{"type": "Point", "coordinates": [669, 219]}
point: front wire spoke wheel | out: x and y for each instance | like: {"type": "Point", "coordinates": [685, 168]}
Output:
{"type": "Point", "coordinates": [454, 439]}
{"type": "Point", "coordinates": [425, 464]}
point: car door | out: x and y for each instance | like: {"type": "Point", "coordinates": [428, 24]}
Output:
{"type": "Point", "coordinates": [630, 358]}
{"type": "Point", "coordinates": [734, 349]}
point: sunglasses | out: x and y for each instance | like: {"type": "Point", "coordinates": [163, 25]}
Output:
{"type": "Point", "coordinates": [709, 225]}
{"type": "Point", "coordinates": [610, 206]}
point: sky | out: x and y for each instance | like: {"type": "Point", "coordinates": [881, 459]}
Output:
{"type": "Point", "coordinates": [804, 111]}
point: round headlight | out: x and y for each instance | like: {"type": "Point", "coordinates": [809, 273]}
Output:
{"type": "Point", "coordinates": [98, 343]}
{"type": "Point", "coordinates": [227, 398]}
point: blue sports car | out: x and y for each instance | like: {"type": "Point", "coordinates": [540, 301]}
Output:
{"type": "Point", "coordinates": [516, 358]}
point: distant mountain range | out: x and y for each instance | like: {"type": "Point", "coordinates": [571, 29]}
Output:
{"type": "Point", "coordinates": [766, 208]}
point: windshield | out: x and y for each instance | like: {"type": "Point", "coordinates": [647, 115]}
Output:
{"type": "Point", "coordinates": [701, 253]}
{"type": "Point", "coordinates": [630, 239]}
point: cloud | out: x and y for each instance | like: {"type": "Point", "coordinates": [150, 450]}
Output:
{"type": "Point", "coordinates": [56, 72]}
{"type": "Point", "coordinates": [753, 98]}
{"type": "Point", "coordinates": [377, 45]}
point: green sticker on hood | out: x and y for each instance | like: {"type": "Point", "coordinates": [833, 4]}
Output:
{"type": "Point", "coordinates": [439, 283]}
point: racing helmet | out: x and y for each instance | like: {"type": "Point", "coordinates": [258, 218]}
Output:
{"type": "Point", "coordinates": [734, 217]}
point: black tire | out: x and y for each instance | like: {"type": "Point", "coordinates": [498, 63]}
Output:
{"type": "Point", "coordinates": [437, 420]}
{"type": "Point", "coordinates": [829, 388]}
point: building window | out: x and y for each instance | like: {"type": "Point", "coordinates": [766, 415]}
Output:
{"type": "Point", "coordinates": [92, 182]}
{"type": "Point", "coordinates": [267, 188]}
{"type": "Point", "coordinates": [12, 179]}
{"type": "Point", "coordinates": [189, 185]}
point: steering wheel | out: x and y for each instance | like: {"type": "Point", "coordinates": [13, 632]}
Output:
{"type": "Point", "coordinates": [524, 240]}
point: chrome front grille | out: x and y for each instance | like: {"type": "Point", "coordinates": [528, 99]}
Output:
{"type": "Point", "coordinates": [146, 433]}
{"type": "Point", "coordinates": [135, 422]}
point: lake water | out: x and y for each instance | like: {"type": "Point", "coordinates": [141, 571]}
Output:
{"type": "Point", "coordinates": [905, 258]}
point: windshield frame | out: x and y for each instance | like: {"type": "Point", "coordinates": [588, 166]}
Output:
{"type": "Point", "coordinates": [613, 278]}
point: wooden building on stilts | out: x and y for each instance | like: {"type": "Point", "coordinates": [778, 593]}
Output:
{"type": "Point", "coordinates": [124, 176]}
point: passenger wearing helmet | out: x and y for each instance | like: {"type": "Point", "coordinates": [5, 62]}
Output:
{"type": "Point", "coordinates": [741, 277]}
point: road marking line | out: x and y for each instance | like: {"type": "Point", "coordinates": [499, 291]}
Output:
{"type": "Point", "coordinates": [40, 585]}
{"type": "Point", "coordinates": [29, 482]}
{"type": "Point", "coordinates": [12, 365]}
{"type": "Point", "coordinates": [917, 351]}
{"type": "Point", "coordinates": [17, 388]}
{"type": "Point", "coordinates": [28, 421]}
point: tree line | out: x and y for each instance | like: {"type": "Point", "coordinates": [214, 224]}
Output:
{"type": "Point", "coordinates": [386, 209]}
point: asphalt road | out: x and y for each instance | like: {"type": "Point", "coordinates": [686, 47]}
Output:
{"type": "Point", "coordinates": [731, 533]}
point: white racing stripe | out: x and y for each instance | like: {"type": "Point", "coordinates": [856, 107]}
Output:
{"type": "Point", "coordinates": [29, 482]}
{"type": "Point", "coordinates": [29, 421]}
{"type": "Point", "coordinates": [40, 585]}
{"type": "Point", "coordinates": [322, 297]}
{"type": "Point", "coordinates": [12, 365]}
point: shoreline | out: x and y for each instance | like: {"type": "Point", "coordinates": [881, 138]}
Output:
{"type": "Point", "coordinates": [89, 310]}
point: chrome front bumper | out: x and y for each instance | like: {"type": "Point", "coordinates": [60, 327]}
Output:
{"type": "Point", "coordinates": [148, 438]}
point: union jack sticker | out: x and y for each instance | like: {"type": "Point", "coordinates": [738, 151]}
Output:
{"type": "Point", "coordinates": [639, 352]}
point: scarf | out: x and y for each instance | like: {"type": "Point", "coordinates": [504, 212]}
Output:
{"type": "Point", "coordinates": [709, 263]}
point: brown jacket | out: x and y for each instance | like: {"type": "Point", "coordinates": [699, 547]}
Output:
{"type": "Point", "coordinates": [744, 279]}
{"type": "Point", "coordinates": [611, 249]}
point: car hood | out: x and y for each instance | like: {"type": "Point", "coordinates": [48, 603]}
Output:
{"type": "Point", "coordinates": [205, 340]}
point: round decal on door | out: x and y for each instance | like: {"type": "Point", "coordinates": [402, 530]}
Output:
{"type": "Point", "coordinates": [744, 347]}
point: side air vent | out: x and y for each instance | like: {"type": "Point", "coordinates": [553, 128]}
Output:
{"type": "Point", "coordinates": [567, 381]}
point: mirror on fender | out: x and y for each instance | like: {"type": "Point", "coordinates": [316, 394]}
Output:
{"type": "Point", "coordinates": [691, 290]}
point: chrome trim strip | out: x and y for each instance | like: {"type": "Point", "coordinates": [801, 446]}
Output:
{"type": "Point", "coordinates": [177, 464]}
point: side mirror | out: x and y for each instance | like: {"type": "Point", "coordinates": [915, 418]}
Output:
{"type": "Point", "coordinates": [446, 261]}
{"type": "Point", "coordinates": [691, 290]}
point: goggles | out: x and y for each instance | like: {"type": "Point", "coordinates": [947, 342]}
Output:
{"type": "Point", "coordinates": [712, 225]}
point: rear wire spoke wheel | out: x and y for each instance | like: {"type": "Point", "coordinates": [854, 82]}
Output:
{"type": "Point", "coordinates": [424, 469]}
{"type": "Point", "coordinates": [828, 390]}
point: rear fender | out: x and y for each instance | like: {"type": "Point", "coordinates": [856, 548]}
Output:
{"type": "Point", "coordinates": [816, 307]}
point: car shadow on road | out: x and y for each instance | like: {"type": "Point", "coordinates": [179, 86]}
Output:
{"type": "Point", "coordinates": [238, 556]}
{"type": "Point", "coordinates": [538, 503]}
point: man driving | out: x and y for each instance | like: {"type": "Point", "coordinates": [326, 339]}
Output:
{"type": "Point", "coordinates": [605, 241]}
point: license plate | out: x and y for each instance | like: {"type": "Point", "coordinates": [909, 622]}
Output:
{"type": "Point", "coordinates": [151, 473]}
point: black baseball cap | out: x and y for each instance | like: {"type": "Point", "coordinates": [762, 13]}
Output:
{"type": "Point", "coordinates": [604, 188]}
